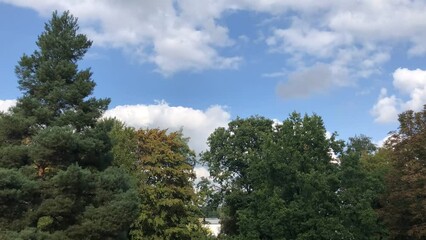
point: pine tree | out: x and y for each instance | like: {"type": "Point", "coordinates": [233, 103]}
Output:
{"type": "Point", "coordinates": [55, 180]}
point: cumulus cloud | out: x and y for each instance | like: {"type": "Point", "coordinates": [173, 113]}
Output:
{"type": "Point", "coordinates": [386, 109]}
{"type": "Point", "coordinates": [6, 104]}
{"type": "Point", "coordinates": [351, 37]}
{"type": "Point", "coordinates": [301, 39]}
{"type": "Point", "coordinates": [172, 35]}
{"type": "Point", "coordinates": [411, 86]}
{"type": "Point", "coordinates": [354, 37]}
{"type": "Point", "coordinates": [195, 124]}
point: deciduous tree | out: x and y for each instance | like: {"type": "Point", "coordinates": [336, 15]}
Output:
{"type": "Point", "coordinates": [231, 153]}
{"type": "Point", "coordinates": [165, 172]}
{"type": "Point", "coordinates": [405, 208]}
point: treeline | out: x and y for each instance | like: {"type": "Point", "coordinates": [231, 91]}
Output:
{"type": "Point", "coordinates": [290, 181]}
{"type": "Point", "coordinates": [65, 173]}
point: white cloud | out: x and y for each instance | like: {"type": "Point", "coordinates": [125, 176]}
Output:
{"type": "Point", "coordinates": [6, 104]}
{"type": "Point", "coordinates": [386, 108]}
{"type": "Point", "coordinates": [196, 124]}
{"type": "Point", "coordinates": [353, 38]}
{"type": "Point", "coordinates": [407, 80]}
{"type": "Point", "coordinates": [301, 39]}
{"type": "Point", "coordinates": [176, 36]}
{"type": "Point", "coordinates": [411, 83]}
{"type": "Point", "coordinates": [381, 142]}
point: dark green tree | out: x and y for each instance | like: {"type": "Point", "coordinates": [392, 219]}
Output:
{"type": "Point", "coordinates": [55, 153]}
{"type": "Point", "coordinates": [125, 147]}
{"type": "Point", "coordinates": [405, 201]}
{"type": "Point", "coordinates": [295, 184]}
{"type": "Point", "coordinates": [289, 181]}
{"type": "Point", "coordinates": [360, 189]}
{"type": "Point", "coordinates": [231, 153]}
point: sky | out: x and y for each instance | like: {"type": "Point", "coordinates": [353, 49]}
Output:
{"type": "Point", "coordinates": [196, 65]}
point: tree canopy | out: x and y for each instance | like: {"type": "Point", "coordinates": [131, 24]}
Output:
{"type": "Point", "coordinates": [283, 181]}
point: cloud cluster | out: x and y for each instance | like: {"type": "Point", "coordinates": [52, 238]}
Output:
{"type": "Point", "coordinates": [411, 88]}
{"type": "Point", "coordinates": [354, 37]}
{"type": "Point", "coordinates": [6, 104]}
{"type": "Point", "coordinates": [195, 124]}
{"type": "Point", "coordinates": [174, 35]}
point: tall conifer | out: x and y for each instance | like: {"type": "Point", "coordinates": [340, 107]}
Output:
{"type": "Point", "coordinates": [55, 180]}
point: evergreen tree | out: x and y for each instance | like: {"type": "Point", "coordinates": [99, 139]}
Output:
{"type": "Point", "coordinates": [54, 161]}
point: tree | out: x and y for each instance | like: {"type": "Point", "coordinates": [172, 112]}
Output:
{"type": "Point", "coordinates": [55, 153]}
{"type": "Point", "coordinates": [124, 147]}
{"type": "Point", "coordinates": [360, 189]}
{"type": "Point", "coordinates": [295, 184]}
{"type": "Point", "coordinates": [278, 181]}
{"type": "Point", "coordinates": [405, 206]}
{"type": "Point", "coordinates": [165, 173]}
{"type": "Point", "coordinates": [229, 158]}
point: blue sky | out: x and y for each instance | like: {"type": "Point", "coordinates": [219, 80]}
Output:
{"type": "Point", "coordinates": [199, 64]}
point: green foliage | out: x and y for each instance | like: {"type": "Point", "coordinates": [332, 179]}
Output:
{"type": "Point", "coordinates": [168, 201]}
{"type": "Point", "coordinates": [361, 187]}
{"type": "Point", "coordinates": [229, 158]}
{"type": "Point", "coordinates": [294, 185]}
{"type": "Point", "coordinates": [124, 148]}
{"type": "Point", "coordinates": [18, 195]}
{"type": "Point", "coordinates": [281, 182]}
